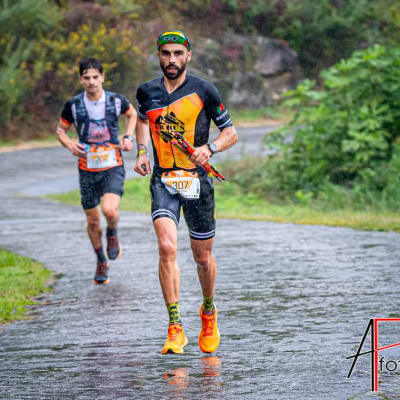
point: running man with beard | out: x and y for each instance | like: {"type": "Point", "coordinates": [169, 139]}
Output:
{"type": "Point", "coordinates": [95, 114]}
{"type": "Point", "coordinates": [181, 102]}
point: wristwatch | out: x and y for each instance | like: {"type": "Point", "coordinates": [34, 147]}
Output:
{"type": "Point", "coordinates": [129, 137]}
{"type": "Point", "coordinates": [213, 148]}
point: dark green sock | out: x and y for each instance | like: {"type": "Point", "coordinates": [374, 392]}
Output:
{"type": "Point", "coordinates": [100, 254]}
{"type": "Point", "coordinates": [173, 312]}
{"type": "Point", "coordinates": [208, 304]}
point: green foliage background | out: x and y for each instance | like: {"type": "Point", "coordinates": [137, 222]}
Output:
{"type": "Point", "coordinates": [342, 149]}
{"type": "Point", "coordinates": [41, 42]}
{"type": "Point", "coordinates": [343, 146]}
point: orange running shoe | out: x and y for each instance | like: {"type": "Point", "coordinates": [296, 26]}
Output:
{"type": "Point", "coordinates": [209, 337]}
{"type": "Point", "coordinates": [176, 340]}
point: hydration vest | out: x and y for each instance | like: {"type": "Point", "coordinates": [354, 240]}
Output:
{"type": "Point", "coordinates": [82, 120]}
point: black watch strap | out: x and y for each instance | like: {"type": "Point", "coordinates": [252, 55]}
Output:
{"type": "Point", "coordinates": [129, 137]}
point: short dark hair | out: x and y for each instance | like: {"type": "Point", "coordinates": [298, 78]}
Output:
{"type": "Point", "coordinates": [87, 63]}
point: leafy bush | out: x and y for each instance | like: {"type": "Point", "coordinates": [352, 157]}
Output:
{"type": "Point", "coordinates": [22, 23]}
{"type": "Point", "coordinates": [342, 149]}
{"type": "Point", "coordinates": [41, 40]}
{"type": "Point", "coordinates": [344, 133]}
{"type": "Point", "coordinates": [57, 59]}
{"type": "Point", "coordinates": [40, 47]}
{"type": "Point", "coordinates": [322, 32]}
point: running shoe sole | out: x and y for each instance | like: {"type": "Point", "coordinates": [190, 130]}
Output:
{"type": "Point", "coordinates": [102, 283]}
{"type": "Point", "coordinates": [170, 351]}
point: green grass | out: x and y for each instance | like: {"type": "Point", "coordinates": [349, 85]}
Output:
{"type": "Point", "coordinates": [136, 197]}
{"type": "Point", "coordinates": [260, 116]}
{"type": "Point", "coordinates": [231, 203]}
{"type": "Point", "coordinates": [44, 141]}
{"type": "Point", "coordinates": [21, 279]}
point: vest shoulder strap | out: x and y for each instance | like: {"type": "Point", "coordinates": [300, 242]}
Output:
{"type": "Point", "coordinates": [110, 104]}
{"type": "Point", "coordinates": [81, 112]}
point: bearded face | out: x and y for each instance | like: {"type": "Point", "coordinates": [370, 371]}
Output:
{"type": "Point", "coordinates": [173, 60]}
{"type": "Point", "coordinates": [172, 71]}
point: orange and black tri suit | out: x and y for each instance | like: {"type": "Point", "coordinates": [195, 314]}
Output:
{"type": "Point", "coordinates": [188, 110]}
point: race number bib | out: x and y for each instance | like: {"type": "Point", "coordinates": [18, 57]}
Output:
{"type": "Point", "coordinates": [101, 157]}
{"type": "Point", "coordinates": [187, 184]}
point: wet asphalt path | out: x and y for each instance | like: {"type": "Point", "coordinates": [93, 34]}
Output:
{"type": "Point", "coordinates": [293, 303]}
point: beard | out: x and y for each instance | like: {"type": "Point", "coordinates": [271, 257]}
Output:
{"type": "Point", "coordinates": [175, 74]}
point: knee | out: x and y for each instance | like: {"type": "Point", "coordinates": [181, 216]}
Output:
{"type": "Point", "coordinates": [93, 223]}
{"type": "Point", "coordinates": [203, 260]}
{"type": "Point", "coordinates": [167, 249]}
{"type": "Point", "coordinates": [110, 212]}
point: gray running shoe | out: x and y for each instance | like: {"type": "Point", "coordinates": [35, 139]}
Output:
{"type": "Point", "coordinates": [101, 275]}
{"type": "Point", "coordinates": [114, 248]}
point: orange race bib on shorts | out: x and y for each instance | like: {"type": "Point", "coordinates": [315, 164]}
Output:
{"type": "Point", "coordinates": [101, 157]}
{"type": "Point", "coordinates": [186, 183]}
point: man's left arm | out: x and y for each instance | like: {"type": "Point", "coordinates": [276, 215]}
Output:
{"type": "Point", "coordinates": [228, 135]}
{"type": "Point", "coordinates": [226, 139]}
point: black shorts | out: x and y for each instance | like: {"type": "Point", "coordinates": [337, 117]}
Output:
{"type": "Point", "coordinates": [199, 213]}
{"type": "Point", "coordinates": [95, 184]}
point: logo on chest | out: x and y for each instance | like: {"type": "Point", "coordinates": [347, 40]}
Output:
{"type": "Point", "coordinates": [167, 124]}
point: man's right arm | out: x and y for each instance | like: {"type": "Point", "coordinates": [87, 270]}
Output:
{"type": "Point", "coordinates": [75, 148]}
{"type": "Point", "coordinates": [65, 123]}
{"type": "Point", "coordinates": [142, 166]}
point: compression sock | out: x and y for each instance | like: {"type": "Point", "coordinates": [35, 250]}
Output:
{"type": "Point", "coordinates": [208, 305]}
{"type": "Point", "coordinates": [173, 312]}
{"type": "Point", "coordinates": [100, 254]}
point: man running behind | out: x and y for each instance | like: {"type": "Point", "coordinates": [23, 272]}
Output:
{"type": "Point", "coordinates": [181, 102]}
{"type": "Point", "coordinates": [95, 114]}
